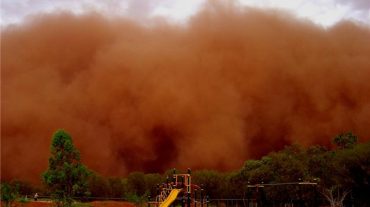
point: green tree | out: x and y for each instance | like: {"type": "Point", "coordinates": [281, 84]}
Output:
{"type": "Point", "coordinates": [24, 187]}
{"type": "Point", "coordinates": [66, 176]}
{"type": "Point", "coordinates": [345, 140]}
{"type": "Point", "coordinates": [136, 184]}
{"type": "Point", "coordinates": [151, 181]}
{"type": "Point", "coordinates": [352, 171]}
{"type": "Point", "coordinates": [117, 187]}
{"type": "Point", "coordinates": [8, 193]}
{"type": "Point", "coordinates": [211, 181]}
{"type": "Point", "coordinates": [137, 188]}
{"type": "Point", "coordinates": [99, 186]}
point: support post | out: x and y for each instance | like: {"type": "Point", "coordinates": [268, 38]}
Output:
{"type": "Point", "coordinates": [201, 197]}
{"type": "Point", "coordinates": [188, 199]}
{"type": "Point", "coordinates": [195, 198]}
{"type": "Point", "coordinates": [183, 201]}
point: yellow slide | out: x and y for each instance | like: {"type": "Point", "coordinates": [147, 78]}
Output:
{"type": "Point", "coordinates": [171, 198]}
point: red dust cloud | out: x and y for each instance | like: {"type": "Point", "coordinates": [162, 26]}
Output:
{"type": "Point", "coordinates": [229, 85]}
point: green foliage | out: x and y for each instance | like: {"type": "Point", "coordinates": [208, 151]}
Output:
{"type": "Point", "coordinates": [136, 187]}
{"type": "Point", "coordinates": [210, 180]}
{"type": "Point", "coordinates": [117, 186]}
{"type": "Point", "coordinates": [289, 165]}
{"type": "Point", "coordinates": [352, 167]}
{"type": "Point", "coordinates": [138, 200]}
{"type": "Point", "coordinates": [348, 169]}
{"type": "Point", "coordinates": [79, 204]}
{"type": "Point", "coordinates": [320, 164]}
{"type": "Point", "coordinates": [136, 184]}
{"type": "Point", "coordinates": [99, 186]}
{"type": "Point", "coordinates": [342, 173]}
{"type": "Point", "coordinates": [24, 188]}
{"type": "Point", "coordinates": [66, 176]}
{"type": "Point", "coordinates": [345, 140]}
{"type": "Point", "coordinates": [23, 200]}
{"type": "Point", "coordinates": [151, 181]}
{"type": "Point", "coordinates": [9, 193]}
{"type": "Point", "coordinates": [141, 184]}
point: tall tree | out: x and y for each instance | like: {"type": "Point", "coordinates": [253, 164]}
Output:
{"type": "Point", "coordinates": [66, 176]}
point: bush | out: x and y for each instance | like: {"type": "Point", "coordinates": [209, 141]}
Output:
{"type": "Point", "coordinates": [138, 200]}
{"type": "Point", "coordinates": [23, 200]}
{"type": "Point", "coordinates": [8, 193]}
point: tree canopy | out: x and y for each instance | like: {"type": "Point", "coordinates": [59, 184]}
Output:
{"type": "Point", "coordinates": [66, 176]}
{"type": "Point", "coordinates": [340, 176]}
{"type": "Point", "coordinates": [345, 140]}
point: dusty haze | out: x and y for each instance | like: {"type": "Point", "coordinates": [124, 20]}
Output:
{"type": "Point", "coordinates": [228, 85]}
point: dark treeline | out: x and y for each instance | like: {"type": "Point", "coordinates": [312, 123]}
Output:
{"type": "Point", "coordinates": [342, 175]}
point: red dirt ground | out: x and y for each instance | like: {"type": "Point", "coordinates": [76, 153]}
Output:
{"type": "Point", "coordinates": [93, 204]}
{"type": "Point", "coordinates": [111, 204]}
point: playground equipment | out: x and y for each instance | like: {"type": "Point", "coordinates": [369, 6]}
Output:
{"type": "Point", "coordinates": [179, 189]}
{"type": "Point", "coordinates": [171, 198]}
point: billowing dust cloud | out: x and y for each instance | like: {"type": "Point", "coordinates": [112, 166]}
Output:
{"type": "Point", "coordinates": [228, 85]}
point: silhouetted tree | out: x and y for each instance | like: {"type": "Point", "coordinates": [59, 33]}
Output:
{"type": "Point", "coordinates": [345, 140]}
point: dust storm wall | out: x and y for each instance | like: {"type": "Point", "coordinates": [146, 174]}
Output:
{"type": "Point", "coordinates": [228, 85]}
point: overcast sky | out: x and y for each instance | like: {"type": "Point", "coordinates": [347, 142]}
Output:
{"type": "Point", "coordinates": [324, 12]}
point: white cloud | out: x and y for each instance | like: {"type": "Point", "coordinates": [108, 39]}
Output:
{"type": "Point", "coordinates": [357, 4]}
{"type": "Point", "coordinates": [324, 12]}
{"type": "Point", "coordinates": [178, 10]}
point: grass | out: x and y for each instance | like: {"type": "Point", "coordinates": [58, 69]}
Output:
{"type": "Point", "coordinates": [79, 204]}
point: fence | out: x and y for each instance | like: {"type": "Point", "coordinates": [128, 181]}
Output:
{"type": "Point", "coordinates": [231, 202]}
{"type": "Point", "coordinates": [264, 203]}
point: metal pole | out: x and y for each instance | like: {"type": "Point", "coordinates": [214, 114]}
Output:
{"type": "Point", "coordinates": [189, 201]}
{"type": "Point", "coordinates": [201, 198]}
{"type": "Point", "coordinates": [174, 177]}
{"type": "Point", "coordinates": [195, 198]}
